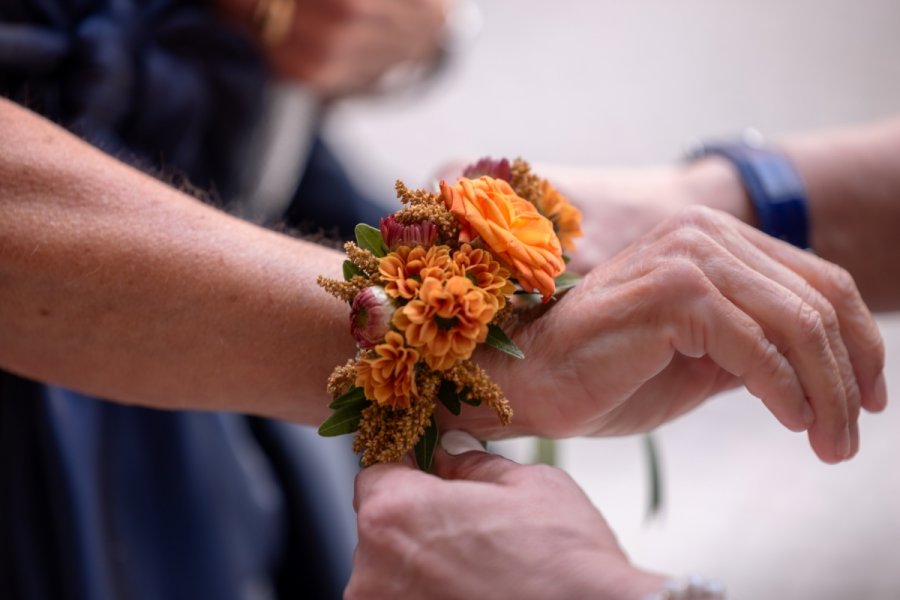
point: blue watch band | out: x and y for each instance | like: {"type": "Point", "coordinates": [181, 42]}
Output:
{"type": "Point", "coordinates": [774, 187]}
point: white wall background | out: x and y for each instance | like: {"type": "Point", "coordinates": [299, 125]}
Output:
{"type": "Point", "coordinates": [632, 83]}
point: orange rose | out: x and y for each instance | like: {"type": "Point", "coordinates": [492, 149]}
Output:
{"type": "Point", "coordinates": [511, 227]}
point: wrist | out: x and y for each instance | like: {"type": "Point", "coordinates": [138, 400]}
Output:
{"type": "Point", "coordinates": [773, 185]}
{"type": "Point", "coordinates": [713, 181]}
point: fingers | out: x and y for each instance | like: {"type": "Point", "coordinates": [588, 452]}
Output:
{"type": "Point", "coordinates": [813, 346]}
{"type": "Point", "coordinates": [858, 328]}
{"type": "Point", "coordinates": [706, 322]}
{"type": "Point", "coordinates": [805, 332]}
{"type": "Point", "coordinates": [816, 315]}
{"type": "Point", "coordinates": [384, 476]}
{"type": "Point", "coordinates": [809, 309]}
{"type": "Point", "coordinates": [461, 456]}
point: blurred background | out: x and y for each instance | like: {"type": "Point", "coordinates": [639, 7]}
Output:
{"type": "Point", "coordinates": [636, 83]}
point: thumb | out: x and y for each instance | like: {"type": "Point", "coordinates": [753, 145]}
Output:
{"type": "Point", "coordinates": [461, 456]}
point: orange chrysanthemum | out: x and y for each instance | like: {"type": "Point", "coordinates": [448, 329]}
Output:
{"type": "Point", "coordinates": [486, 273]}
{"type": "Point", "coordinates": [511, 227]}
{"type": "Point", "coordinates": [388, 374]}
{"type": "Point", "coordinates": [565, 217]}
{"type": "Point", "coordinates": [404, 269]}
{"type": "Point", "coordinates": [447, 319]}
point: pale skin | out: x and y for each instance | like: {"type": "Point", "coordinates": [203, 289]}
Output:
{"type": "Point", "coordinates": [122, 287]}
{"type": "Point", "coordinates": [424, 527]}
{"type": "Point", "coordinates": [344, 47]}
{"type": "Point", "coordinates": [119, 286]}
{"type": "Point", "coordinates": [485, 527]}
{"type": "Point", "coordinates": [852, 177]}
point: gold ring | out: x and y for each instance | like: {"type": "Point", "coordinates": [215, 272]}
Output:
{"type": "Point", "coordinates": [273, 20]}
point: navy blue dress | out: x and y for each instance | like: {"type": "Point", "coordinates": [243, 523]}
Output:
{"type": "Point", "coordinates": [105, 501]}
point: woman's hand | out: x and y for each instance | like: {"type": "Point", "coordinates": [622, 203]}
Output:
{"type": "Point", "coordinates": [341, 47]}
{"type": "Point", "coordinates": [699, 304]}
{"type": "Point", "coordinates": [488, 528]}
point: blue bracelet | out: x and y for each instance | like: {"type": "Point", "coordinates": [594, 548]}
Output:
{"type": "Point", "coordinates": [774, 187]}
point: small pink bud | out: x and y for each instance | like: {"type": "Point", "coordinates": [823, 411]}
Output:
{"type": "Point", "coordinates": [498, 169]}
{"type": "Point", "coordinates": [370, 316]}
{"type": "Point", "coordinates": [394, 233]}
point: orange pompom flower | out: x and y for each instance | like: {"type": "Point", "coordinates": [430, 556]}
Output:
{"type": "Point", "coordinates": [480, 268]}
{"type": "Point", "coordinates": [404, 269]}
{"type": "Point", "coordinates": [388, 377]}
{"type": "Point", "coordinates": [447, 319]}
{"type": "Point", "coordinates": [511, 227]}
{"type": "Point", "coordinates": [565, 217]}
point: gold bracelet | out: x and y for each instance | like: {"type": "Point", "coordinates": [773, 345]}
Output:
{"type": "Point", "coordinates": [273, 20]}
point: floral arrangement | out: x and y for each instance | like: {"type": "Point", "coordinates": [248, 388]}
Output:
{"type": "Point", "coordinates": [440, 276]}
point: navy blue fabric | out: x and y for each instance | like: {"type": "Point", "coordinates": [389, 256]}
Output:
{"type": "Point", "coordinates": [108, 501]}
{"type": "Point", "coordinates": [103, 501]}
{"type": "Point", "coordinates": [328, 200]}
{"type": "Point", "coordinates": [160, 83]}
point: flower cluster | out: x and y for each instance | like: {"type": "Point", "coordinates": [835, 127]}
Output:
{"type": "Point", "coordinates": [426, 288]}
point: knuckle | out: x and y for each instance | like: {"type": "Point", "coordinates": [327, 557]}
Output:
{"type": "Point", "coordinates": [380, 513]}
{"type": "Point", "coordinates": [691, 241]}
{"type": "Point", "coordinates": [810, 325]}
{"type": "Point", "coordinates": [770, 361]}
{"type": "Point", "coordinates": [842, 284]}
{"type": "Point", "coordinates": [543, 477]}
{"type": "Point", "coordinates": [682, 277]}
{"type": "Point", "coordinates": [825, 310]}
{"type": "Point", "coordinates": [698, 217]}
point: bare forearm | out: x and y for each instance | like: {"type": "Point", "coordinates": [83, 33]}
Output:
{"type": "Point", "coordinates": [117, 285]}
{"type": "Point", "coordinates": [853, 182]}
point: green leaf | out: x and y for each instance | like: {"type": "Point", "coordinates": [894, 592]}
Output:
{"type": "Point", "coordinates": [350, 270]}
{"type": "Point", "coordinates": [344, 420]}
{"type": "Point", "coordinates": [448, 395]}
{"type": "Point", "coordinates": [355, 395]}
{"type": "Point", "coordinates": [566, 281]}
{"type": "Point", "coordinates": [497, 338]}
{"type": "Point", "coordinates": [466, 396]}
{"type": "Point", "coordinates": [369, 238]}
{"type": "Point", "coordinates": [426, 446]}
{"type": "Point", "coordinates": [566, 259]}
{"type": "Point", "coordinates": [656, 487]}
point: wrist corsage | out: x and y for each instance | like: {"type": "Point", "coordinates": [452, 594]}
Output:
{"type": "Point", "coordinates": [440, 276]}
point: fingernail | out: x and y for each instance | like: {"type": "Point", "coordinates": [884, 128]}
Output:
{"type": "Point", "coordinates": [881, 390]}
{"type": "Point", "coordinates": [457, 442]}
{"type": "Point", "coordinates": [854, 441]}
{"type": "Point", "coordinates": [843, 446]}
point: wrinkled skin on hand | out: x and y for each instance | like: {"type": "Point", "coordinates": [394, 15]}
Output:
{"type": "Point", "coordinates": [701, 303]}
{"type": "Point", "coordinates": [484, 528]}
